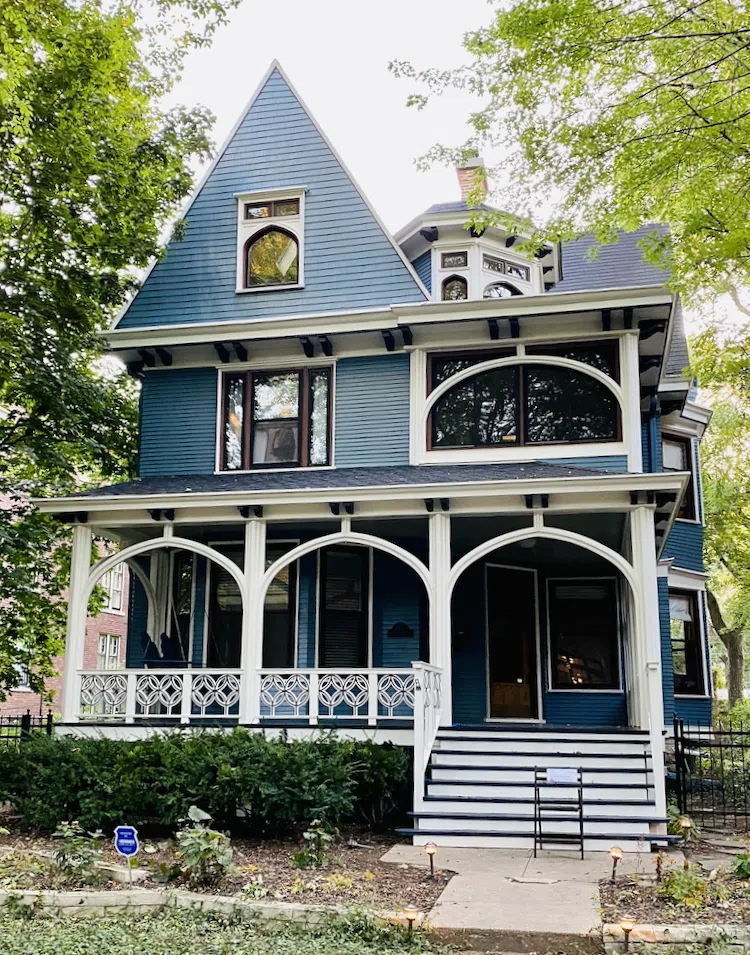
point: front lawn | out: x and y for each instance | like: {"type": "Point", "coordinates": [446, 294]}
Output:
{"type": "Point", "coordinates": [177, 932]}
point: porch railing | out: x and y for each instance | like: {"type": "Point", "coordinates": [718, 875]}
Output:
{"type": "Point", "coordinates": [183, 695]}
{"type": "Point", "coordinates": [428, 701]}
{"type": "Point", "coordinates": [369, 695]}
{"type": "Point", "coordinates": [309, 695]}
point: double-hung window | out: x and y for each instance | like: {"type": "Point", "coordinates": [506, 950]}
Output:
{"type": "Point", "coordinates": [677, 455]}
{"type": "Point", "coordinates": [276, 419]}
{"type": "Point", "coordinates": [108, 655]}
{"type": "Point", "coordinates": [687, 646]}
{"type": "Point", "coordinates": [112, 582]}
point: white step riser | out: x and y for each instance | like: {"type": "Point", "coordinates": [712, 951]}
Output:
{"type": "Point", "coordinates": [550, 826]}
{"type": "Point", "coordinates": [590, 811]}
{"type": "Point", "coordinates": [545, 747]}
{"type": "Point", "coordinates": [449, 789]}
{"type": "Point", "coordinates": [541, 761]}
{"type": "Point", "coordinates": [619, 738]}
{"type": "Point", "coordinates": [522, 842]}
{"type": "Point", "coordinates": [466, 773]}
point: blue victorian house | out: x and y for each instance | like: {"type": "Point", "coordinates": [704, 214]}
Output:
{"type": "Point", "coordinates": [422, 488]}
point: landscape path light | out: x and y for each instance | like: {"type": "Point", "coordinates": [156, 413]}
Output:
{"type": "Point", "coordinates": [615, 854]}
{"type": "Point", "coordinates": [686, 824]}
{"type": "Point", "coordinates": [430, 848]}
{"type": "Point", "coordinates": [410, 914]}
{"type": "Point", "coordinates": [627, 925]}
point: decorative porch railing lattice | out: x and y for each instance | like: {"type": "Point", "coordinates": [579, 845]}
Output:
{"type": "Point", "coordinates": [141, 694]}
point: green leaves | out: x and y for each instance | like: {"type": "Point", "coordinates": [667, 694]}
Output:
{"type": "Point", "coordinates": [617, 115]}
{"type": "Point", "coordinates": [92, 169]}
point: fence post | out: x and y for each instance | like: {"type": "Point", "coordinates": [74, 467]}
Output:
{"type": "Point", "coordinates": [48, 724]}
{"type": "Point", "coordinates": [26, 725]}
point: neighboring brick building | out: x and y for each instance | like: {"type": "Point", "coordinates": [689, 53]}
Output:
{"type": "Point", "coordinates": [104, 648]}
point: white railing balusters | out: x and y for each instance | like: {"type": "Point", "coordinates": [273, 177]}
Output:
{"type": "Point", "coordinates": [372, 698]}
{"type": "Point", "coordinates": [314, 698]}
{"type": "Point", "coordinates": [427, 706]}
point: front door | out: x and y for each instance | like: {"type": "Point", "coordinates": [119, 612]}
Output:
{"type": "Point", "coordinates": [511, 642]}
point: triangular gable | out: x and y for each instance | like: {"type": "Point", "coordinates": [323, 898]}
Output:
{"type": "Point", "coordinates": [350, 260]}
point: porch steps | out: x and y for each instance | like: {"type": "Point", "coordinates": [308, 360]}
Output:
{"type": "Point", "coordinates": [479, 787]}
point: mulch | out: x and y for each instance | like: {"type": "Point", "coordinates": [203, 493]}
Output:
{"type": "Point", "coordinates": [354, 873]}
{"type": "Point", "coordinates": [636, 897]}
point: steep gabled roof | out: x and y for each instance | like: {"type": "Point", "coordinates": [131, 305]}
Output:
{"type": "Point", "coordinates": [351, 262]}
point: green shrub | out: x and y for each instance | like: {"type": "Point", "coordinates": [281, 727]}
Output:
{"type": "Point", "coordinates": [269, 787]}
{"type": "Point", "coordinates": [77, 852]}
{"type": "Point", "coordinates": [741, 865]}
{"type": "Point", "coordinates": [318, 840]}
{"type": "Point", "coordinates": [685, 887]}
{"type": "Point", "coordinates": [205, 854]}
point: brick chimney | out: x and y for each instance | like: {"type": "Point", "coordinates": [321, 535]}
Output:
{"type": "Point", "coordinates": [467, 176]}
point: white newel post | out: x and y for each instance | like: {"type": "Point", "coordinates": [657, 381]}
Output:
{"type": "Point", "coordinates": [440, 606]}
{"type": "Point", "coordinates": [251, 659]}
{"type": "Point", "coordinates": [80, 565]}
{"type": "Point", "coordinates": [649, 643]}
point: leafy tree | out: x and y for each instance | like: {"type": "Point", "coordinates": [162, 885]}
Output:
{"type": "Point", "coordinates": [92, 167]}
{"type": "Point", "coordinates": [723, 364]}
{"type": "Point", "coordinates": [616, 114]}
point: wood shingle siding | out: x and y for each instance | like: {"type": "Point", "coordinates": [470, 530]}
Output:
{"type": "Point", "coordinates": [349, 261]}
{"type": "Point", "coordinates": [178, 422]}
{"type": "Point", "coordinates": [371, 408]}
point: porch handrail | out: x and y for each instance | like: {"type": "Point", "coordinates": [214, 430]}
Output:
{"type": "Point", "coordinates": [428, 692]}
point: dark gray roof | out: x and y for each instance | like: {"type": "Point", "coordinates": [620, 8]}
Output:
{"type": "Point", "coordinates": [617, 265]}
{"type": "Point", "coordinates": [342, 478]}
{"type": "Point", "coordinates": [460, 206]}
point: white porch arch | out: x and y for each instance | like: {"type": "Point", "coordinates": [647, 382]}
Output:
{"type": "Point", "coordinates": [494, 363]}
{"type": "Point", "coordinates": [345, 537]}
{"type": "Point", "coordinates": [547, 533]}
{"type": "Point", "coordinates": [162, 543]}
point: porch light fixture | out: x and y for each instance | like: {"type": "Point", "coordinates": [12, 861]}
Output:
{"type": "Point", "coordinates": [616, 854]}
{"type": "Point", "coordinates": [410, 914]}
{"type": "Point", "coordinates": [430, 848]}
{"type": "Point", "coordinates": [627, 925]}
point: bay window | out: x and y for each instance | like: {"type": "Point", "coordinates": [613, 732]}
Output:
{"type": "Point", "coordinates": [276, 419]}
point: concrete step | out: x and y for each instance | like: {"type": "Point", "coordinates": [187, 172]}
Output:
{"type": "Point", "coordinates": [533, 760]}
{"type": "Point", "coordinates": [459, 787]}
{"type": "Point", "coordinates": [519, 823]}
{"type": "Point", "coordinates": [471, 838]}
{"type": "Point", "coordinates": [525, 774]}
{"type": "Point", "coordinates": [543, 731]}
{"type": "Point", "coordinates": [610, 809]}
{"type": "Point", "coordinates": [629, 748]}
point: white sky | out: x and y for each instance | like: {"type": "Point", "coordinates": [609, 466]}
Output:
{"type": "Point", "coordinates": [336, 53]}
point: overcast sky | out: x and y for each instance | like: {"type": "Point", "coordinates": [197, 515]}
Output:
{"type": "Point", "coordinates": [336, 53]}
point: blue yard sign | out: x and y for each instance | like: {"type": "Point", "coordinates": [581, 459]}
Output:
{"type": "Point", "coordinates": [126, 841]}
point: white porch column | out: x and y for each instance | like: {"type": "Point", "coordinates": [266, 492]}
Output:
{"type": "Point", "coordinates": [440, 607]}
{"type": "Point", "coordinates": [80, 565]}
{"type": "Point", "coordinates": [648, 639]}
{"type": "Point", "coordinates": [631, 412]}
{"type": "Point", "coordinates": [251, 658]}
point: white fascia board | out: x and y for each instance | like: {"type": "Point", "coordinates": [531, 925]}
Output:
{"type": "Point", "coordinates": [374, 319]}
{"type": "Point", "coordinates": [682, 579]}
{"type": "Point", "coordinates": [616, 482]}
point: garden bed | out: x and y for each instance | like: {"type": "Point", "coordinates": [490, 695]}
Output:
{"type": "Point", "coordinates": [725, 900]}
{"type": "Point", "coordinates": [354, 874]}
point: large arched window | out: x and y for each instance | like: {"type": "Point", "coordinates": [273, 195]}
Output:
{"type": "Point", "coordinates": [501, 290]}
{"type": "Point", "coordinates": [271, 258]}
{"type": "Point", "coordinates": [525, 404]}
{"type": "Point", "coordinates": [455, 289]}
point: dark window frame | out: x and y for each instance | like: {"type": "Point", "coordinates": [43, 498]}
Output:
{"type": "Point", "coordinates": [256, 237]}
{"type": "Point", "coordinates": [271, 203]}
{"type": "Point", "coordinates": [695, 638]}
{"type": "Point", "coordinates": [520, 398]}
{"type": "Point", "coordinates": [454, 278]}
{"type": "Point", "coordinates": [615, 686]}
{"type": "Point", "coordinates": [304, 420]}
{"type": "Point", "coordinates": [364, 556]}
{"type": "Point", "coordinates": [688, 508]}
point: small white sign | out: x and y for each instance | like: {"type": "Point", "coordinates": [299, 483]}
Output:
{"type": "Point", "coordinates": [562, 775]}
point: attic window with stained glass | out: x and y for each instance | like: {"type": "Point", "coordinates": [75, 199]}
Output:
{"type": "Point", "coordinates": [455, 289]}
{"type": "Point", "coordinates": [270, 240]}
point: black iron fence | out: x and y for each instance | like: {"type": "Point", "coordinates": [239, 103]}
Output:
{"type": "Point", "coordinates": [16, 729]}
{"type": "Point", "coordinates": [711, 775]}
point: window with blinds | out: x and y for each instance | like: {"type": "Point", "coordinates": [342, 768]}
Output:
{"type": "Point", "coordinates": [344, 607]}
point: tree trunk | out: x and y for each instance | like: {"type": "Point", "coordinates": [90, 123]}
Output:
{"type": "Point", "coordinates": [733, 640]}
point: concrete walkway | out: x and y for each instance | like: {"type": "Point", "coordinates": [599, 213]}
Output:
{"type": "Point", "coordinates": [505, 900]}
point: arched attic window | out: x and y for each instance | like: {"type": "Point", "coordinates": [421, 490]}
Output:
{"type": "Point", "coordinates": [455, 289]}
{"type": "Point", "coordinates": [271, 258]}
{"type": "Point", "coordinates": [525, 404]}
{"type": "Point", "coordinates": [501, 290]}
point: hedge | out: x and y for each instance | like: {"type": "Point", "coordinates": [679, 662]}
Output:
{"type": "Point", "coordinates": [266, 787]}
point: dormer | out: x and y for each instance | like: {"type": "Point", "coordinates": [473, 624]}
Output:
{"type": "Point", "coordinates": [456, 263]}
